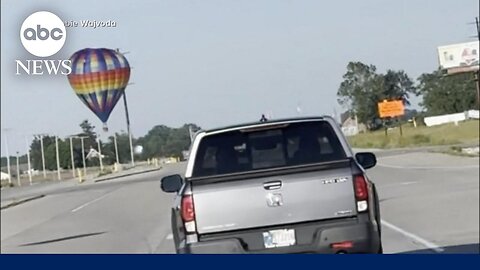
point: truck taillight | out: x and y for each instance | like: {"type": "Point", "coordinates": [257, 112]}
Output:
{"type": "Point", "coordinates": [361, 192]}
{"type": "Point", "coordinates": [187, 209]}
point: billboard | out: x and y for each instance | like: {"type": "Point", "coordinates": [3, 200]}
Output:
{"type": "Point", "coordinates": [391, 108]}
{"type": "Point", "coordinates": [461, 57]}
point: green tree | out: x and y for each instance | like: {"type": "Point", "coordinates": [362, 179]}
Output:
{"type": "Point", "coordinates": [446, 94]}
{"type": "Point", "coordinates": [123, 146]}
{"type": "Point", "coordinates": [362, 88]}
{"type": "Point", "coordinates": [163, 141]}
{"type": "Point", "coordinates": [63, 153]}
{"type": "Point", "coordinates": [36, 150]}
{"type": "Point", "coordinates": [88, 130]}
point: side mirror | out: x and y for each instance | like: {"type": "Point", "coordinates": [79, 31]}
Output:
{"type": "Point", "coordinates": [366, 159]}
{"type": "Point", "coordinates": [171, 183]}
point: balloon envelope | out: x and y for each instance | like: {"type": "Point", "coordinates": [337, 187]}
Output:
{"type": "Point", "coordinates": [99, 77]}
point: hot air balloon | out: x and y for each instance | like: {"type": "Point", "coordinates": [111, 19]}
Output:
{"type": "Point", "coordinates": [99, 78]}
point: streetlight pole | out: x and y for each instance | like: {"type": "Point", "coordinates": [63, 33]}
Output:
{"type": "Point", "coordinates": [28, 160]}
{"type": "Point", "coordinates": [100, 154]}
{"type": "Point", "coordinates": [190, 133]}
{"type": "Point", "coordinates": [128, 118]}
{"type": "Point", "coordinates": [43, 157]}
{"type": "Point", "coordinates": [71, 157]}
{"type": "Point", "coordinates": [18, 171]}
{"type": "Point", "coordinates": [128, 127]}
{"type": "Point", "coordinates": [58, 159]}
{"type": "Point", "coordinates": [8, 158]}
{"type": "Point", "coordinates": [116, 147]}
{"type": "Point", "coordinates": [83, 157]}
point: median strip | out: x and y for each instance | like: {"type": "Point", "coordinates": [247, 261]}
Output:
{"type": "Point", "coordinates": [124, 175]}
{"type": "Point", "coordinates": [15, 203]}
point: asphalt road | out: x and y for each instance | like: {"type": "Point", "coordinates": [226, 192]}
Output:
{"type": "Point", "coordinates": [429, 203]}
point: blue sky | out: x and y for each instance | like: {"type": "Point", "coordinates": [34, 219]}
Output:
{"type": "Point", "coordinates": [220, 62]}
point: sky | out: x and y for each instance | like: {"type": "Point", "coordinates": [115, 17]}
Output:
{"type": "Point", "coordinates": [221, 62]}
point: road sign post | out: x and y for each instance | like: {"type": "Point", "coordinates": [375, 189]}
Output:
{"type": "Point", "coordinates": [391, 109]}
{"type": "Point", "coordinates": [400, 125]}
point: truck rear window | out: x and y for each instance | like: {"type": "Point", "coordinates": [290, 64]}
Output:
{"type": "Point", "coordinates": [280, 146]}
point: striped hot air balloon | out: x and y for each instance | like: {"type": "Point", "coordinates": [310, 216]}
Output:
{"type": "Point", "coordinates": [99, 77]}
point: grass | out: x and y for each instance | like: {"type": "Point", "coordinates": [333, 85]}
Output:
{"type": "Point", "coordinates": [457, 151]}
{"type": "Point", "coordinates": [5, 183]}
{"type": "Point", "coordinates": [106, 171]}
{"type": "Point", "coordinates": [447, 134]}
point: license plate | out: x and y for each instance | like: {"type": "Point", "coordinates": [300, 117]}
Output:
{"type": "Point", "coordinates": [279, 238]}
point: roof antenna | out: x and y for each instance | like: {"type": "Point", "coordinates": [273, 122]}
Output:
{"type": "Point", "coordinates": [263, 119]}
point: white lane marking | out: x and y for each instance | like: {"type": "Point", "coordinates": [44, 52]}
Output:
{"type": "Point", "coordinates": [90, 202]}
{"type": "Point", "coordinates": [429, 167]}
{"type": "Point", "coordinates": [408, 183]}
{"type": "Point", "coordinates": [169, 236]}
{"type": "Point", "coordinates": [414, 237]}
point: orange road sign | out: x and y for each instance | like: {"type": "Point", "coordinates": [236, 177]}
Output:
{"type": "Point", "coordinates": [391, 108]}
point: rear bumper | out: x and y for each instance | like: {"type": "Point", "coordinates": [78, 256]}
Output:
{"type": "Point", "coordinates": [311, 238]}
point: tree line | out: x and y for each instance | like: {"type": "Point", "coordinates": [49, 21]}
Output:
{"type": "Point", "coordinates": [359, 92]}
{"type": "Point", "coordinates": [160, 141]}
{"type": "Point", "coordinates": [363, 87]}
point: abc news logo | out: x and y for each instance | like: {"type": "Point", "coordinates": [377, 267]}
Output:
{"type": "Point", "coordinates": [43, 34]}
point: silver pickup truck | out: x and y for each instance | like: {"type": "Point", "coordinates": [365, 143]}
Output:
{"type": "Point", "coordinates": [283, 186]}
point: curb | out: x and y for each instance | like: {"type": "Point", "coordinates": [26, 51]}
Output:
{"type": "Point", "coordinates": [15, 203]}
{"type": "Point", "coordinates": [125, 175]}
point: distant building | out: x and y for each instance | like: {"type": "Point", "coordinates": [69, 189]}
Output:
{"type": "Point", "coordinates": [350, 125]}
{"type": "Point", "coordinates": [185, 154]}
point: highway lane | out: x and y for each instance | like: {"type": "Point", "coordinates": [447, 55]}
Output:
{"type": "Point", "coordinates": [431, 208]}
{"type": "Point", "coordinates": [119, 216]}
{"type": "Point", "coordinates": [431, 200]}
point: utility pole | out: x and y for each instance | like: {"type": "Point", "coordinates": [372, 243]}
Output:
{"type": "Point", "coordinates": [476, 72]}
{"type": "Point", "coordinates": [128, 119]}
{"type": "Point", "coordinates": [477, 77]}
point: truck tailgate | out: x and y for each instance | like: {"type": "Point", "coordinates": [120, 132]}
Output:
{"type": "Point", "coordinates": [273, 200]}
